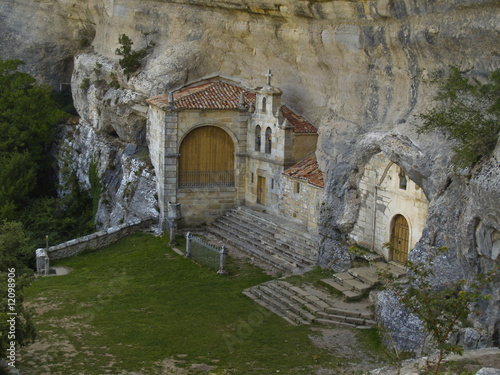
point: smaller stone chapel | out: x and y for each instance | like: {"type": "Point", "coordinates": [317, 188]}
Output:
{"type": "Point", "coordinates": [216, 145]}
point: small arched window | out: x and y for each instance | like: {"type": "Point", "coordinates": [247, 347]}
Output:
{"type": "Point", "coordinates": [403, 182]}
{"type": "Point", "coordinates": [269, 140]}
{"type": "Point", "coordinates": [257, 138]}
{"type": "Point", "coordinates": [264, 105]}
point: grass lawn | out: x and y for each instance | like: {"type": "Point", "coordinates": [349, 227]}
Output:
{"type": "Point", "coordinates": [137, 306]}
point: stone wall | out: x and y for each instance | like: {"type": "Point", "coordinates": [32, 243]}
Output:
{"type": "Point", "coordinates": [304, 144]}
{"type": "Point", "coordinates": [202, 205]}
{"type": "Point", "coordinates": [260, 167]}
{"type": "Point", "coordinates": [300, 203]}
{"type": "Point", "coordinates": [96, 240]}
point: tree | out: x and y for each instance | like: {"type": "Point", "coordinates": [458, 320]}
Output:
{"type": "Point", "coordinates": [16, 257]}
{"type": "Point", "coordinates": [466, 111]}
{"type": "Point", "coordinates": [441, 310]}
{"type": "Point", "coordinates": [28, 115]}
{"type": "Point", "coordinates": [131, 60]}
{"type": "Point", "coordinates": [28, 112]}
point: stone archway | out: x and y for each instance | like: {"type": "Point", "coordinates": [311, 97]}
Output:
{"type": "Point", "coordinates": [400, 238]}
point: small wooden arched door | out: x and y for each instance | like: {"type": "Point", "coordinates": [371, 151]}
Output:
{"type": "Point", "coordinates": [400, 236]}
{"type": "Point", "coordinates": [206, 158]}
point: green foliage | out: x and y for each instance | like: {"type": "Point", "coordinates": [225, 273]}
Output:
{"type": "Point", "coordinates": [114, 81]}
{"type": "Point", "coordinates": [74, 211]}
{"type": "Point", "coordinates": [466, 111]}
{"type": "Point", "coordinates": [28, 115]}
{"type": "Point", "coordinates": [64, 100]}
{"type": "Point", "coordinates": [85, 84]}
{"type": "Point", "coordinates": [441, 311]}
{"type": "Point", "coordinates": [15, 254]}
{"type": "Point", "coordinates": [27, 112]}
{"type": "Point", "coordinates": [14, 248]}
{"type": "Point", "coordinates": [131, 60]}
{"type": "Point", "coordinates": [18, 174]}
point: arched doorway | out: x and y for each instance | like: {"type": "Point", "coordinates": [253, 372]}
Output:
{"type": "Point", "coordinates": [400, 235]}
{"type": "Point", "coordinates": [206, 158]}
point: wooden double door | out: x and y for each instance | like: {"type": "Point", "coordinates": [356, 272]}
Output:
{"type": "Point", "coordinates": [206, 158]}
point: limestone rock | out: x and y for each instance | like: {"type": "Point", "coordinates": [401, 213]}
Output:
{"type": "Point", "coordinates": [124, 170]}
{"type": "Point", "coordinates": [403, 327]}
{"type": "Point", "coordinates": [102, 101]}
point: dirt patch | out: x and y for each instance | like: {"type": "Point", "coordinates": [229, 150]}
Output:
{"type": "Point", "coordinates": [201, 367]}
{"type": "Point", "coordinates": [169, 366]}
{"type": "Point", "coordinates": [345, 344]}
{"type": "Point", "coordinates": [42, 305]}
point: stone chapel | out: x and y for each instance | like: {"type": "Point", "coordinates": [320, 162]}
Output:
{"type": "Point", "coordinates": [216, 145]}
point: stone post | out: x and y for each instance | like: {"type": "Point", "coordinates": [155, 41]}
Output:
{"type": "Point", "coordinates": [42, 262]}
{"type": "Point", "coordinates": [188, 245]}
{"type": "Point", "coordinates": [222, 264]}
{"type": "Point", "coordinates": [173, 217]}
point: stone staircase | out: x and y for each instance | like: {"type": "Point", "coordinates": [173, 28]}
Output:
{"type": "Point", "coordinates": [280, 243]}
{"type": "Point", "coordinates": [356, 282]}
{"type": "Point", "coordinates": [306, 305]}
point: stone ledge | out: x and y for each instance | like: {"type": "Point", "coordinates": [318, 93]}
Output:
{"type": "Point", "coordinates": [97, 239]}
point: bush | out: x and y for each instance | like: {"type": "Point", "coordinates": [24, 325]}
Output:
{"type": "Point", "coordinates": [441, 311]}
{"type": "Point", "coordinates": [131, 60]}
{"type": "Point", "coordinates": [85, 84]}
{"type": "Point", "coordinates": [467, 111]}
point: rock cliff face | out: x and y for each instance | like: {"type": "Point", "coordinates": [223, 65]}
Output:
{"type": "Point", "coordinates": [354, 68]}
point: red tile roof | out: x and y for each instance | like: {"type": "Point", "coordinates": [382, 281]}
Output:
{"type": "Point", "coordinates": [307, 170]}
{"type": "Point", "coordinates": [222, 95]}
{"type": "Point", "coordinates": [299, 123]}
{"type": "Point", "coordinates": [210, 95]}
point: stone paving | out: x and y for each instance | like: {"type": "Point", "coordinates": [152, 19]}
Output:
{"type": "Point", "coordinates": [356, 282]}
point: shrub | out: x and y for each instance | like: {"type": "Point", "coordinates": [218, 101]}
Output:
{"type": "Point", "coordinates": [443, 310]}
{"type": "Point", "coordinates": [85, 84]}
{"type": "Point", "coordinates": [466, 111]}
{"type": "Point", "coordinates": [131, 60]}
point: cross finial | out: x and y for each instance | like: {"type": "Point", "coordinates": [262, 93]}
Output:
{"type": "Point", "coordinates": [269, 75]}
{"type": "Point", "coordinates": [242, 100]}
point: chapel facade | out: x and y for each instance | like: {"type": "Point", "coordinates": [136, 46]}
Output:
{"type": "Point", "coordinates": [393, 210]}
{"type": "Point", "coordinates": [215, 145]}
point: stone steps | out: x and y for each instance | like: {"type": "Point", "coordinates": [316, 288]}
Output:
{"type": "Point", "coordinates": [356, 282]}
{"type": "Point", "coordinates": [306, 305]}
{"type": "Point", "coordinates": [283, 229]}
{"type": "Point", "coordinates": [252, 251]}
{"type": "Point", "coordinates": [281, 244]}
{"type": "Point", "coordinates": [265, 244]}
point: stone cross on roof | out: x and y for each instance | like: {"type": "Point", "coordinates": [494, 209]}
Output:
{"type": "Point", "coordinates": [269, 75]}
